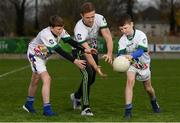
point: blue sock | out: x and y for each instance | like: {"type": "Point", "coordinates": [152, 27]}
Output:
{"type": "Point", "coordinates": [47, 107]}
{"type": "Point", "coordinates": [29, 100]}
{"type": "Point", "coordinates": [128, 106]}
{"type": "Point", "coordinates": [153, 99]}
{"type": "Point", "coordinates": [128, 109]}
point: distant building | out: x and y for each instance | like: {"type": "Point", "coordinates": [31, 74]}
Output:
{"type": "Point", "coordinates": [151, 23]}
{"type": "Point", "coordinates": [153, 28]}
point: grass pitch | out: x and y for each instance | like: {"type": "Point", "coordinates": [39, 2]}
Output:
{"type": "Point", "coordinates": [106, 99]}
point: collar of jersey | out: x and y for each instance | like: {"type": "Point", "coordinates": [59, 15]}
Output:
{"type": "Point", "coordinates": [131, 37]}
{"type": "Point", "coordinates": [54, 34]}
{"type": "Point", "coordinates": [86, 24]}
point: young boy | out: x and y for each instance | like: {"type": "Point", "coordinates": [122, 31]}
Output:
{"type": "Point", "coordinates": [134, 45]}
{"type": "Point", "coordinates": [40, 48]}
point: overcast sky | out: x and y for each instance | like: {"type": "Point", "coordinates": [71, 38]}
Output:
{"type": "Point", "coordinates": [148, 2]}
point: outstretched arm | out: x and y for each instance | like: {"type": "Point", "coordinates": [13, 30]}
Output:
{"type": "Point", "coordinates": [91, 61]}
{"type": "Point", "coordinates": [109, 43]}
{"type": "Point", "coordinates": [80, 47]}
{"type": "Point", "coordinates": [60, 51]}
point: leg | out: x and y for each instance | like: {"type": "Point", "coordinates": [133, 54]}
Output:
{"type": "Point", "coordinates": [84, 89]}
{"type": "Point", "coordinates": [46, 93]}
{"type": "Point", "coordinates": [150, 90]}
{"type": "Point", "coordinates": [78, 94]}
{"type": "Point", "coordinates": [46, 79]}
{"type": "Point", "coordinates": [92, 72]}
{"type": "Point", "coordinates": [76, 97]}
{"type": "Point", "coordinates": [87, 80]}
{"type": "Point", "coordinates": [129, 93]}
{"type": "Point", "coordinates": [33, 85]}
{"type": "Point", "coordinates": [31, 93]}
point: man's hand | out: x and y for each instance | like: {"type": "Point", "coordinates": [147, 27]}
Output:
{"type": "Point", "coordinates": [98, 70]}
{"type": "Point", "coordinates": [90, 51]}
{"type": "Point", "coordinates": [80, 63]}
{"type": "Point", "coordinates": [108, 58]}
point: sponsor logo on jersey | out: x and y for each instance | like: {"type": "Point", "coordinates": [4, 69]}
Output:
{"type": "Point", "coordinates": [144, 41]}
{"type": "Point", "coordinates": [51, 41]}
{"type": "Point", "coordinates": [104, 20]}
{"type": "Point", "coordinates": [79, 37]}
{"type": "Point", "coordinates": [130, 44]}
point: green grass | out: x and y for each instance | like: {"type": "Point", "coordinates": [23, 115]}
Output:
{"type": "Point", "coordinates": [107, 95]}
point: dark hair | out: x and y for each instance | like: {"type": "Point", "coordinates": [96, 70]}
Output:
{"type": "Point", "coordinates": [124, 19]}
{"type": "Point", "coordinates": [87, 7]}
{"type": "Point", "coordinates": [56, 20]}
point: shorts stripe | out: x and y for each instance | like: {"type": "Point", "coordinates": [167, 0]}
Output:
{"type": "Point", "coordinates": [85, 87]}
{"type": "Point", "coordinates": [32, 59]}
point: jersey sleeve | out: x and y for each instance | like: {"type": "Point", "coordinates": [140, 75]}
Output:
{"type": "Point", "coordinates": [101, 21]}
{"type": "Point", "coordinates": [143, 42]}
{"type": "Point", "coordinates": [65, 36]}
{"type": "Point", "coordinates": [80, 34]}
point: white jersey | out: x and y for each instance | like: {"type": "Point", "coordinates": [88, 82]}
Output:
{"type": "Point", "coordinates": [87, 34]}
{"type": "Point", "coordinates": [46, 38]}
{"type": "Point", "coordinates": [139, 40]}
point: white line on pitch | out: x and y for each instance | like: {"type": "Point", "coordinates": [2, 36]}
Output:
{"type": "Point", "coordinates": [14, 71]}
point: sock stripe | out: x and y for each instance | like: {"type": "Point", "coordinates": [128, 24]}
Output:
{"type": "Point", "coordinates": [29, 98]}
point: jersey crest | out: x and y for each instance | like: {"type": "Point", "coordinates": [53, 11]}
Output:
{"type": "Point", "coordinates": [79, 36]}
{"type": "Point", "coordinates": [51, 41]}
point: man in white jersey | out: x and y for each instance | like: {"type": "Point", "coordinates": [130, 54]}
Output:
{"type": "Point", "coordinates": [86, 32]}
{"type": "Point", "coordinates": [134, 44]}
{"type": "Point", "coordinates": [40, 48]}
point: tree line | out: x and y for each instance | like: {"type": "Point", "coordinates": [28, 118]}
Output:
{"type": "Point", "coordinates": [27, 17]}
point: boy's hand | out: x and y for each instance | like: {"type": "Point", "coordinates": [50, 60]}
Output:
{"type": "Point", "coordinates": [80, 63]}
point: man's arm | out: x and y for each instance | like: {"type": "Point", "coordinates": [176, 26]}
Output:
{"type": "Point", "coordinates": [109, 43]}
{"type": "Point", "coordinates": [60, 51]}
{"type": "Point", "coordinates": [79, 46]}
{"type": "Point", "coordinates": [91, 61]}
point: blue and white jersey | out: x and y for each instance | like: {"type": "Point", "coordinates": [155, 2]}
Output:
{"type": "Point", "coordinates": [87, 34]}
{"type": "Point", "coordinates": [129, 46]}
{"type": "Point", "coordinates": [45, 41]}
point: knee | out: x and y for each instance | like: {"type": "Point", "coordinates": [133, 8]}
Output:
{"type": "Point", "coordinates": [47, 80]}
{"type": "Point", "coordinates": [35, 81]}
{"type": "Point", "coordinates": [130, 83]}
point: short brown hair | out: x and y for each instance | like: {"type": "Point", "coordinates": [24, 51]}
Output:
{"type": "Point", "coordinates": [124, 19]}
{"type": "Point", "coordinates": [87, 7]}
{"type": "Point", "coordinates": [56, 20]}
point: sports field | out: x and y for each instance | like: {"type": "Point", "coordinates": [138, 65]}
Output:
{"type": "Point", "coordinates": [107, 97]}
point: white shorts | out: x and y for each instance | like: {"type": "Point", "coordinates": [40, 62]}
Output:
{"type": "Point", "coordinates": [38, 65]}
{"type": "Point", "coordinates": [141, 74]}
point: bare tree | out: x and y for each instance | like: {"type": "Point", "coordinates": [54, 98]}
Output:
{"type": "Point", "coordinates": [130, 6]}
{"type": "Point", "coordinates": [6, 18]}
{"type": "Point", "coordinates": [169, 8]}
{"type": "Point", "coordinates": [36, 25]}
{"type": "Point", "coordinates": [20, 8]}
